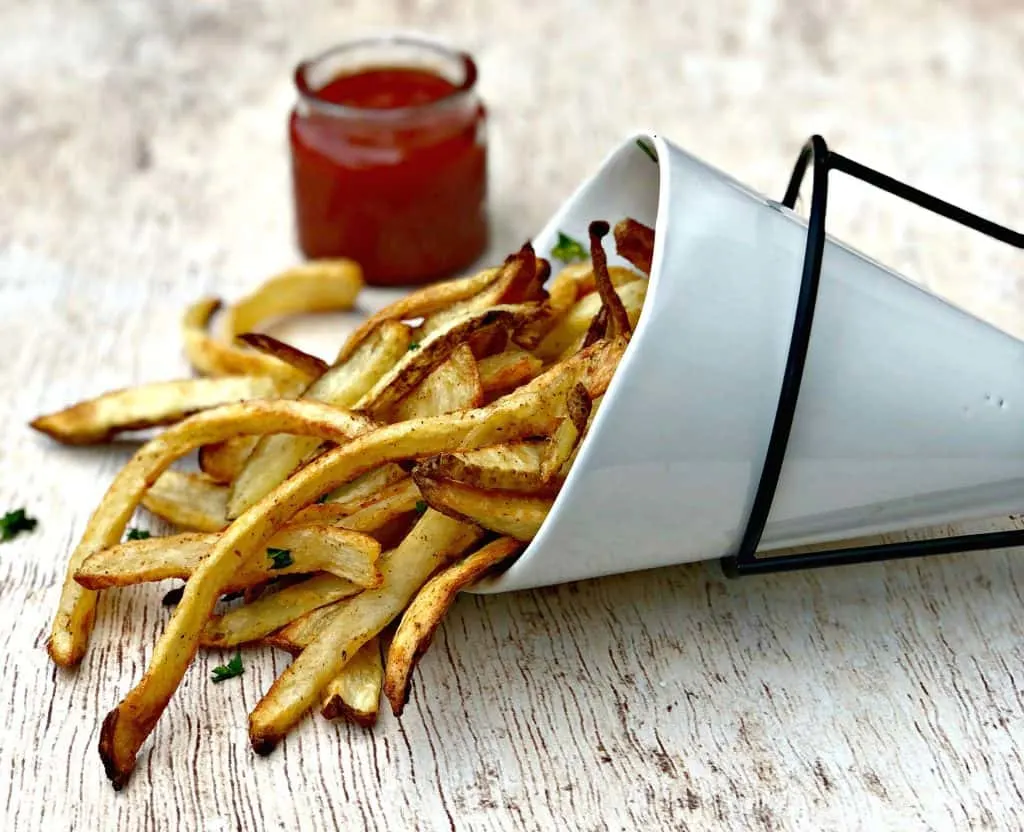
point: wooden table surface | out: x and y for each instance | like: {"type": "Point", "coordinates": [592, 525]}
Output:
{"type": "Point", "coordinates": [143, 163]}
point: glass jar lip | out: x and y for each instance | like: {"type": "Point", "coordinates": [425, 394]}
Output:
{"type": "Point", "coordinates": [462, 91]}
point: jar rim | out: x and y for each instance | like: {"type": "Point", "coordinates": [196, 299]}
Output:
{"type": "Point", "coordinates": [311, 96]}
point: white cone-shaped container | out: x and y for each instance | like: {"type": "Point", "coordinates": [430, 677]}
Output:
{"type": "Point", "coordinates": [911, 411]}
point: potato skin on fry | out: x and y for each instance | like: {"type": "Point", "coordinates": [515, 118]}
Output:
{"type": "Point", "coordinates": [426, 611]}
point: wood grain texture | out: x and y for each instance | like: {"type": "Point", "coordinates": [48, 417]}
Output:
{"type": "Point", "coordinates": [145, 166]}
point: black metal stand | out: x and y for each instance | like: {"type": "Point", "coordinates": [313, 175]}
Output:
{"type": "Point", "coordinates": [746, 560]}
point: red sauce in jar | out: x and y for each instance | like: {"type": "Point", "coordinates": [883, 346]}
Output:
{"type": "Point", "coordinates": [389, 168]}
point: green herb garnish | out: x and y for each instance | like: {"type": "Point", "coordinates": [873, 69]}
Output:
{"type": "Point", "coordinates": [568, 250]}
{"type": "Point", "coordinates": [14, 523]}
{"type": "Point", "coordinates": [230, 670]}
{"type": "Point", "coordinates": [646, 148]}
{"type": "Point", "coordinates": [280, 558]}
{"type": "Point", "coordinates": [323, 498]}
{"type": "Point", "coordinates": [137, 534]}
{"type": "Point", "coordinates": [421, 506]}
{"type": "Point", "coordinates": [415, 345]}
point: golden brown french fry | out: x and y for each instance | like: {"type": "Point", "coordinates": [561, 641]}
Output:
{"type": "Point", "coordinates": [309, 548]}
{"type": "Point", "coordinates": [314, 286]}
{"type": "Point", "coordinates": [276, 457]}
{"type": "Point", "coordinates": [515, 283]}
{"type": "Point", "coordinates": [393, 501]}
{"type": "Point", "coordinates": [149, 405]}
{"type": "Point", "coordinates": [567, 436]}
{"type": "Point", "coordinates": [209, 356]}
{"type": "Point", "coordinates": [635, 242]}
{"type": "Point", "coordinates": [274, 610]}
{"type": "Point", "coordinates": [426, 611]}
{"type": "Point", "coordinates": [573, 327]}
{"type": "Point", "coordinates": [301, 632]}
{"type": "Point", "coordinates": [508, 370]}
{"type": "Point", "coordinates": [511, 466]}
{"type": "Point", "coordinates": [434, 541]}
{"type": "Point", "coordinates": [453, 386]}
{"type": "Point", "coordinates": [419, 304]}
{"type": "Point", "coordinates": [189, 501]}
{"type": "Point", "coordinates": [222, 461]}
{"type": "Point", "coordinates": [364, 490]}
{"type": "Point", "coordinates": [516, 515]}
{"type": "Point", "coordinates": [77, 606]}
{"type": "Point", "coordinates": [354, 694]}
{"type": "Point", "coordinates": [580, 278]}
{"type": "Point", "coordinates": [618, 318]}
{"type": "Point", "coordinates": [305, 363]}
{"type": "Point", "coordinates": [435, 349]}
{"type": "Point", "coordinates": [534, 409]}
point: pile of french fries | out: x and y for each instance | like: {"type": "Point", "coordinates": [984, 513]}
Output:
{"type": "Point", "coordinates": [347, 504]}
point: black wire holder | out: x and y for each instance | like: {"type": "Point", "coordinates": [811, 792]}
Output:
{"type": "Point", "coordinates": [823, 161]}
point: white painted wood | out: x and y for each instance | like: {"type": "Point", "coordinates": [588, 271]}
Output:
{"type": "Point", "coordinates": [143, 165]}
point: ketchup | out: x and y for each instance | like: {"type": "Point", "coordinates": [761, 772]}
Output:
{"type": "Point", "coordinates": [389, 164]}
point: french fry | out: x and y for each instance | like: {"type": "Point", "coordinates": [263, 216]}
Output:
{"type": "Point", "coordinates": [635, 242]}
{"type": "Point", "coordinates": [453, 386]}
{"type": "Point", "coordinates": [209, 356]}
{"type": "Point", "coordinates": [516, 515]}
{"type": "Point", "coordinates": [305, 363]}
{"type": "Point", "coordinates": [508, 370]}
{"type": "Point", "coordinates": [315, 286]}
{"type": "Point", "coordinates": [149, 405]}
{"type": "Point", "coordinates": [273, 611]}
{"type": "Point", "coordinates": [610, 300]}
{"type": "Point", "coordinates": [515, 283]}
{"type": "Point", "coordinates": [533, 409]}
{"type": "Point", "coordinates": [434, 541]}
{"type": "Point", "coordinates": [419, 304]}
{"type": "Point", "coordinates": [567, 435]}
{"type": "Point", "coordinates": [565, 338]}
{"type": "Point", "coordinates": [426, 611]}
{"type": "Point", "coordinates": [77, 606]}
{"type": "Point", "coordinates": [511, 466]}
{"type": "Point", "coordinates": [301, 632]}
{"type": "Point", "coordinates": [354, 694]}
{"type": "Point", "coordinates": [276, 457]}
{"type": "Point", "coordinates": [189, 501]}
{"type": "Point", "coordinates": [366, 489]}
{"type": "Point", "coordinates": [311, 548]}
{"type": "Point", "coordinates": [414, 367]}
{"type": "Point", "coordinates": [222, 461]}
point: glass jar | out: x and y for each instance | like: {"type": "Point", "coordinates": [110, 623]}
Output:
{"type": "Point", "coordinates": [389, 159]}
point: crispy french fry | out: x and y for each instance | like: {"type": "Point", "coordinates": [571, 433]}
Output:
{"type": "Point", "coordinates": [424, 615]}
{"type": "Point", "coordinates": [315, 286]}
{"type": "Point", "coordinates": [635, 242]}
{"type": "Point", "coordinates": [453, 386]}
{"type": "Point", "coordinates": [414, 367]}
{"type": "Point", "coordinates": [419, 304]}
{"type": "Point", "coordinates": [535, 408]}
{"type": "Point", "coordinates": [511, 466]}
{"type": "Point", "coordinates": [567, 436]}
{"type": "Point", "coordinates": [354, 694]}
{"type": "Point", "coordinates": [617, 315]}
{"type": "Point", "coordinates": [508, 370]}
{"type": "Point", "coordinates": [366, 489]}
{"type": "Point", "coordinates": [76, 609]}
{"type": "Point", "coordinates": [222, 461]}
{"type": "Point", "coordinates": [276, 457]}
{"type": "Point", "coordinates": [149, 405]}
{"type": "Point", "coordinates": [189, 501]}
{"type": "Point", "coordinates": [564, 339]}
{"type": "Point", "coordinates": [301, 632]}
{"type": "Point", "coordinates": [311, 548]}
{"type": "Point", "coordinates": [434, 541]}
{"type": "Point", "coordinates": [516, 283]}
{"type": "Point", "coordinates": [305, 363]}
{"type": "Point", "coordinates": [274, 610]}
{"type": "Point", "coordinates": [209, 356]}
{"type": "Point", "coordinates": [516, 515]}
